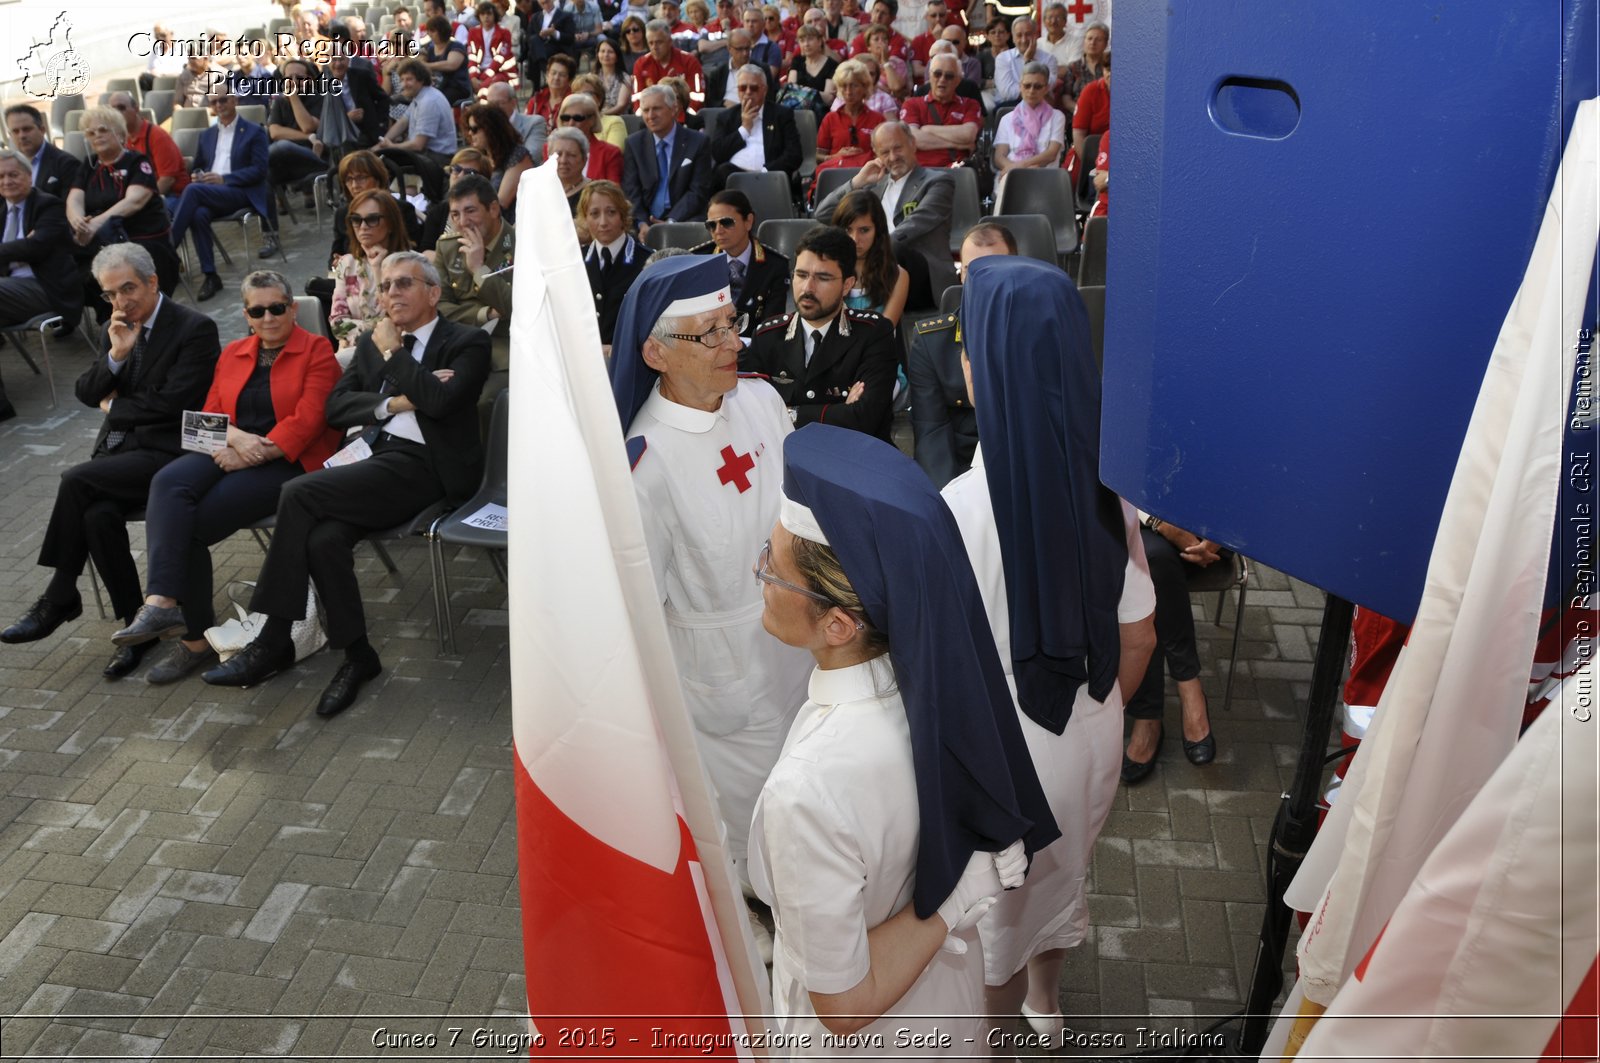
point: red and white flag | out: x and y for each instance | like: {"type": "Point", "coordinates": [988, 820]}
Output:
{"type": "Point", "coordinates": [624, 878]}
{"type": "Point", "coordinates": [1454, 703]}
{"type": "Point", "coordinates": [1496, 938]}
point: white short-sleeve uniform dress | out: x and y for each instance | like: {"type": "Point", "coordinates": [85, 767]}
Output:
{"type": "Point", "coordinates": [708, 485]}
{"type": "Point", "coordinates": [1078, 768]}
{"type": "Point", "coordinates": [833, 850]}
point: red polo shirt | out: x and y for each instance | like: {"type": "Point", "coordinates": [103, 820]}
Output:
{"type": "Point", "coordinates": [647, 72]}
{"type": "Point", "coordinates": [157, 145]}
{"type": "Point", "coordinates": [922, 110]}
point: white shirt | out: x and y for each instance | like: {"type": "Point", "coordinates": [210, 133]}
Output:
{"type": "Point", "coordinates": [833, 850]}
{"type": "Point", "coordinates": [709, 484]}
{"type": "Point", "coordinates": [1008, 72]}
{"type": "Point", "coordinates": [753, 156]}
{"type": "Point", "coordinates": [222, 158]}
{"type": "Point", "coordinates": [891, 197]}
{"type": "Point", "coordinates": [116, 366]}
{"type": "Point", "coordinates": [810, 332]}
{"type": "Point", "coordinates": [405, 424]}
{"type": "Point", "coordinates": [16, 229]}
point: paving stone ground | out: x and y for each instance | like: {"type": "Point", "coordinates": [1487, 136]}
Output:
{"type": "Point", "coordinates": [191, 871]}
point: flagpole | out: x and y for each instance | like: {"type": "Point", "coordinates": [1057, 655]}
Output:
{"type": "Point", "coordinates": [1296, 824]}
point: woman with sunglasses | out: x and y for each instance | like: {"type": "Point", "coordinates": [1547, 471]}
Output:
{"type": "Point", "coordinates": [362, 171]}
{"type": "Point", "coordinates": [272, 386]}
{"type": "Point", "coordinates": [375, 231]}
{"type": "Point", "coordinates": [604, 128]}
{"type": "Point", "coordinates": [490, 131]}
{"type": "Point", "coordinates": [634, 46]}
{"type": "Point", "coordinates": [1032, 133]}
{"type": "Point", "coordinates": [614, 77]}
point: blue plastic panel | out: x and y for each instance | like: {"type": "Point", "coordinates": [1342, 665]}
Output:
{"type": "Point", "coordinates": [1322, 213]}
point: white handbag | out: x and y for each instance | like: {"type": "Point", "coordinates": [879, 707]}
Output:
{"type": "Point", "coordinates": [233, 635]}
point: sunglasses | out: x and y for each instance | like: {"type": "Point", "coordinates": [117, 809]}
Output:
{"type": "Point", "coordinates": [576, 117]}
{"type": "Point", "coordinates": [459, 170]}
{"type": "Point", "coordinates": [472, 129]}
{"type": "Point", "coordinates": [943, 75]}
{"type": "Point", "coordinates": [713, 224]}
{"type": "Point", "coordinates": [275, 309]}
{"type": "Point", "coordinates": [361, 221]}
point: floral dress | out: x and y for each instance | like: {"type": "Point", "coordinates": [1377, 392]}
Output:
{"type": "Point", "coordinates": [356, 308]}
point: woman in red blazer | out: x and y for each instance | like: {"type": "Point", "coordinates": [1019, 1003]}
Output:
{"type": "Point", "coordinates": [273, 386]}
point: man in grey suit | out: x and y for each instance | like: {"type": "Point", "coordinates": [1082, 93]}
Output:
{"type": "Point", "coordinates": [918, 203]}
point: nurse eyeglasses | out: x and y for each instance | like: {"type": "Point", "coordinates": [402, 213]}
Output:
{"type": "Point", "coordinates": [765, 574]}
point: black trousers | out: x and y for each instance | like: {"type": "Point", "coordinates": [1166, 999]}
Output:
{"type": "Point", "coordinates": [1174, 627]}
{"type": "Point", "coordinates": [193, 506]}
{"type": "Point", "coordinates": [920, 295]}
{"type": "Point", "coordinates": [90, 521]}
{"type": "Point", "coordinates": [322, 516]}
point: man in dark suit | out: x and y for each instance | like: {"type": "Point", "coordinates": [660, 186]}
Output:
{"type": "Point", "coordinates": [54, 170]}
{"type": "Point", "coordinates": [918, 203]}
{"type": "Point", "coordinates": [759, 136]}
{"type": "Point", "coordinates": [722, 86]}
{"type": "Point", "coordinates": [547, 31]}
{"type": "Point", "coordinates": [36, 266]}
{"type": "Point", "coordinates": [230, 174]}
{"type": "Point", "coordinates": [829, 363]}
{"type": "Point", "coordinates": [155, 361]}
{"type": "Point", "coordinates": [758, 276]}
{"type": "Point", "coordinates": [682, 192]}
{"type": "Point", "coordinates": [413, 384]}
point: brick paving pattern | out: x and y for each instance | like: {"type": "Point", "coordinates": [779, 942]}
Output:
{"type": "Point", "coordinates": [190, 870]}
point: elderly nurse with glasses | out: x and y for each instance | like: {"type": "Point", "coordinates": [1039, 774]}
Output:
{"type": "Point", "coordinates": [705, 444]}
{"type": "Point", "coordinates": [272, 386]}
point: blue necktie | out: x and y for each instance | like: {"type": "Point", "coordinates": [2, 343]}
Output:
{"type": "Point", "coordinates": [661, 203]}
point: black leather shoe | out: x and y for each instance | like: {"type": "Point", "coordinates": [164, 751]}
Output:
{"type": "Point", "coordinates": [1203, 751]}
{"type": "Point", "coordinates": [209, 287]}
{"type": "Point", "coordinates": [253, 664]}
{"type": "Point", "coordinates": [40, 621]}
{"type": "Point", "coordinates": [124, 661]}
{"type": "Point", "coordinates": [269, 246]}
{"type": "Point", "coordinates": [345, 686]}
{"type": "Point", "coordinates": [1137, 771]}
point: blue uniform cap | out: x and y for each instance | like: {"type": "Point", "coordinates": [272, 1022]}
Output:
{"type": "Point", "coordinates": [683, 285]}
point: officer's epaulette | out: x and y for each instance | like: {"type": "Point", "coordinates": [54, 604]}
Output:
{"type": "Point", "coordinates": [773, 322]}
{"type": "Point", "coordinates": [937, 324]}
{"type": "Point", "coordinates": [864, 315]}
{"type": "Point", "coordinates": [636, 449]}
{"type": "Point", "coordinates": [707, 248]}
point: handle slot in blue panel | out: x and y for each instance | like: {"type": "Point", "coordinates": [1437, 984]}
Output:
{"type": "Point", "coordinates": [1255, 107]}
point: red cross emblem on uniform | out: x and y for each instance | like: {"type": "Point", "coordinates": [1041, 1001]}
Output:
{"type": "Point", "coordinates": [1077, 9]}
{"type": "Point", "coordinates": [722, 297]}
{"type": "Point", "coordinates": [735, 469]}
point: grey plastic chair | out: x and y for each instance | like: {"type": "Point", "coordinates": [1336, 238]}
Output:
{"type": "Point", "coordinates": [453, 529]}
{"type": "Point", "coordinates": [783, 234]}
{"type": "Point", "coordinates": [684, 234]}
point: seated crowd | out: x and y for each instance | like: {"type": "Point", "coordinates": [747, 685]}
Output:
{"type": "Point", "coordinates": [646, 118]}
